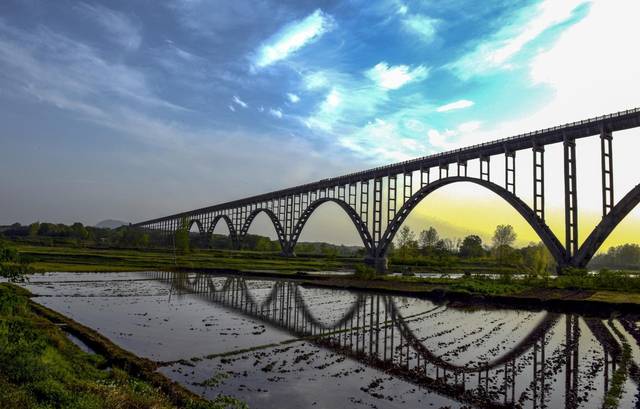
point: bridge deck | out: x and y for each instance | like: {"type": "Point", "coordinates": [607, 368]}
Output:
{"type": "Point", "coordinates": [589, 127]}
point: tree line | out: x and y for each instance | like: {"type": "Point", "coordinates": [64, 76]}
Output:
{"type": "Point", "coordinates": [427, 246]}
{"type": "Point", "coordinates": [409, 247]}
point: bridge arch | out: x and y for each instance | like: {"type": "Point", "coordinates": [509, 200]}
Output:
{"type": "Point", "coordinates": [543, 231]}
{"type": "Point", "coordinates": [198, 223]}
{"type": "Point", "coordinates": [606, 226]}
{"type": "Point", "coordinates": [232, 230]}
{"type": "Point", "coordinates": [351, 212]}
{"type": "Point", "coordinates": [538, 332]}
{"type": "Point", "coordinates": [274, 220]}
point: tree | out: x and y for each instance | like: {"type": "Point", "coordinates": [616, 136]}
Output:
{"type": "Point", "coordinates": [79, 231]}
{"type": "Point", "coordinates": [428, 238]}
{"type": "Point", "coordinates": [182, 237]}
{"type": "Point", "coordinates": [471, 247]}
{"type": "Point", "coordinates": [406, 241]}
{"type": "Point", "coordinates": [503, 239]}
{"type": "Point", "coordinates": [33, 229]}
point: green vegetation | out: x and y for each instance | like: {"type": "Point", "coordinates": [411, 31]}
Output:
{"type": "Point", "coordinates": [430, 253]}
{"type": "Point", "coordinates": [41, 368]}
{"type": "Point", "coordinates": [620, 375]}
{"type": "Point", "coordinates": [625, 257]}
{"type": "Point", "coordinates": [96, 259]}
{"type": "Point", "coordinates": [125, 237]}
{"type": "Point", "coordinates": [13, 265]}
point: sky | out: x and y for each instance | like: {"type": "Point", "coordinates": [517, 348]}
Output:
{"type": "Point", "coordinates": [135, 109]}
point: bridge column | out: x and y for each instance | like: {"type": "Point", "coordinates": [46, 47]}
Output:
{"type": "Point", "coordinates": [510, 172]}
{"type": "Point", "coordinates": [570, 197]}
{"type": "Point", "coordinates": [424, 177]}
{"type": "Point", "coordinates": [379, 263]}
{"type": "Point", "coordinates": [287, 251]}
{"type": "Point", "coordinates": [538, 180]}
{"type": "Point", "coordinates": [485, 168]}
{"type": "Point", "coordinates": [606, 151]}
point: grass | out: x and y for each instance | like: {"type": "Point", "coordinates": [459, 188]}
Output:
{"type": "Point", "coordinates": [41, 368]}
{"type": "Point", "coordinates": [87, 259]}
{"type": "Point", "coordinates": [607, 286]}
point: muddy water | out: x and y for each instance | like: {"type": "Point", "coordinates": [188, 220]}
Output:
{"type": "Point", "coordinates": [276, 344]}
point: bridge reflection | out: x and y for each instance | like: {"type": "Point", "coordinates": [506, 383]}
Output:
{"type": "Point", "coordinates": [542, 370]}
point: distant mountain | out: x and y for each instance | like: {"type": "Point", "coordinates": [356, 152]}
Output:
{"type": "Point", "coordinates": [111, 224]}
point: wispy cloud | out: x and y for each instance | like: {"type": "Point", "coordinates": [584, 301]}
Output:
{"type": "Point", "coordinates": [120, 27]}
{"type": "Point", "coordinates": [293, 37]}
{"type": "Point", "coordinates": [421, 26]}
{"type": "Point", "coordinates": [71, 75]}
{"type": "Point", "coordinates": [238, 101]}
{"type": "Point", "coordinates": [463, 103]}
{"type": "Point", "coordinates": [497, 51]}
{"type": "Point", "coordinates": [394, 77]}
{"type": "Point", "coordinates": [276, 113]}
{"type": "Point", "coordinates": [293, 98]}
{"type": "Point", "coordinates": [447, 139]}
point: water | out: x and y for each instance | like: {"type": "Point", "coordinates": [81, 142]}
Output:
{"type": "Point", "coordinates": [277, 344]}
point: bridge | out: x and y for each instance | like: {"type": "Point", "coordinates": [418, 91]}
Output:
{"type": "Point", "coordinates": [379, 200]}
{"type": "Point", "coordinates": [373, 331]}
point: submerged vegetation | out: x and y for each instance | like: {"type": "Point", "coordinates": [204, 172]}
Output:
{"type": "Point", "coordinates": [41, 368]}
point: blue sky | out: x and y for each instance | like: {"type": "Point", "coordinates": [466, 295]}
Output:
{"type": "Point", "coordinates": [131, 110]}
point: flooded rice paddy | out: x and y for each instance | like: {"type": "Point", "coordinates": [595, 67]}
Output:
{"type": "Point", "coordinates": [278, 344]}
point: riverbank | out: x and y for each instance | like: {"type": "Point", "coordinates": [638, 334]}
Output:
{"type": "Point", "coordinates": [40, 365]}
{"type": "Point", "coordinates": [84, 259]}
{"type": "Point", "coordinates": [605, 292]}
{"type": "Point", "coordinates": [471, 291]}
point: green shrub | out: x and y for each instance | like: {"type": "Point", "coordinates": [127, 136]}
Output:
{"type": "Point", "coordinates": [364, 272]}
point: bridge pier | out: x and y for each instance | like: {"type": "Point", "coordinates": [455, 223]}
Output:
{"type": "Point", "coordinates": [380, 264]}
{"type": "Point", "coordinates": [287, 251]}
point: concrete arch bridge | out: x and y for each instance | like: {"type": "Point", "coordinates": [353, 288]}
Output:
{"type": "Point", "coordinates": [378, 201]}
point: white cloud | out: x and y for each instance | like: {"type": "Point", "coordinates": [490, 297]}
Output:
{"type": "Point", "coordinates": [497, 51]}
{"type": "Point", "coordinates": [121, 28]}
{"type": "Point", "coordinates": [463, 103]}
{"type": "Point", "coordinates": [394, 77]}
{"type": "Point", "coordinates": [332, 101]}
{"type": "Point", "coordinates": [440, 139]}
{"type": "Point", "coordinates": [402, 9]}
{"type": "Point", "coordinates": [468, 127]}
{"type": "Point", "coordinates": [276, 113]}
{"type": "Point", "coordinates": [293, 37]}
{"type": "Point", "coordinates": [240, 102]}
{"type": "Point", "coordinates": [232, 108]}
{"type": "Point", "coordinates": [380, 141]}
{"type": "Point", "coordinates": [422, 26]}
{"type": "Point", "coordinates": [260, 108]}
{"type": "Point", "coordinates": [293, 98]}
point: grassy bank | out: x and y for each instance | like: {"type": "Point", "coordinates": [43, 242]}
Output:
{"type": "Point", "coordinates": [88, 259]}
{"type": "Point", "coordinates": [41, 368]}
{"type": "Point", "coordinates": [605, 287]}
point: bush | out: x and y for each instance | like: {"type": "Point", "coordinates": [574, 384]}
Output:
{"type": "Point", "coordinates": [364, 272]}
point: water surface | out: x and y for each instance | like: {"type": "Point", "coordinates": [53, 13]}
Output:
{"type": "Point", "coordinates": [278, 344]}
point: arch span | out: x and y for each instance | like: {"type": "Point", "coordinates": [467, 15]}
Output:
{"type": "Point", "coordinates": [542, 230]}
{"type": "Point", "coordinates": [549, 320]}
{"type": "Point", "coordinates": [197, 223]}
{"type": "Point", "coordinates": [606, 226]}
{"type": "Point", "coordinates": [276, 225]}
{"type": "Point", "coordinates": [227, 220]}
{"type": "Point", "coordinates": [351, 212]}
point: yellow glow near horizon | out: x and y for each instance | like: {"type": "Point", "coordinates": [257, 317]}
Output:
{"type": "Point", "coordinates": [456, 217]}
